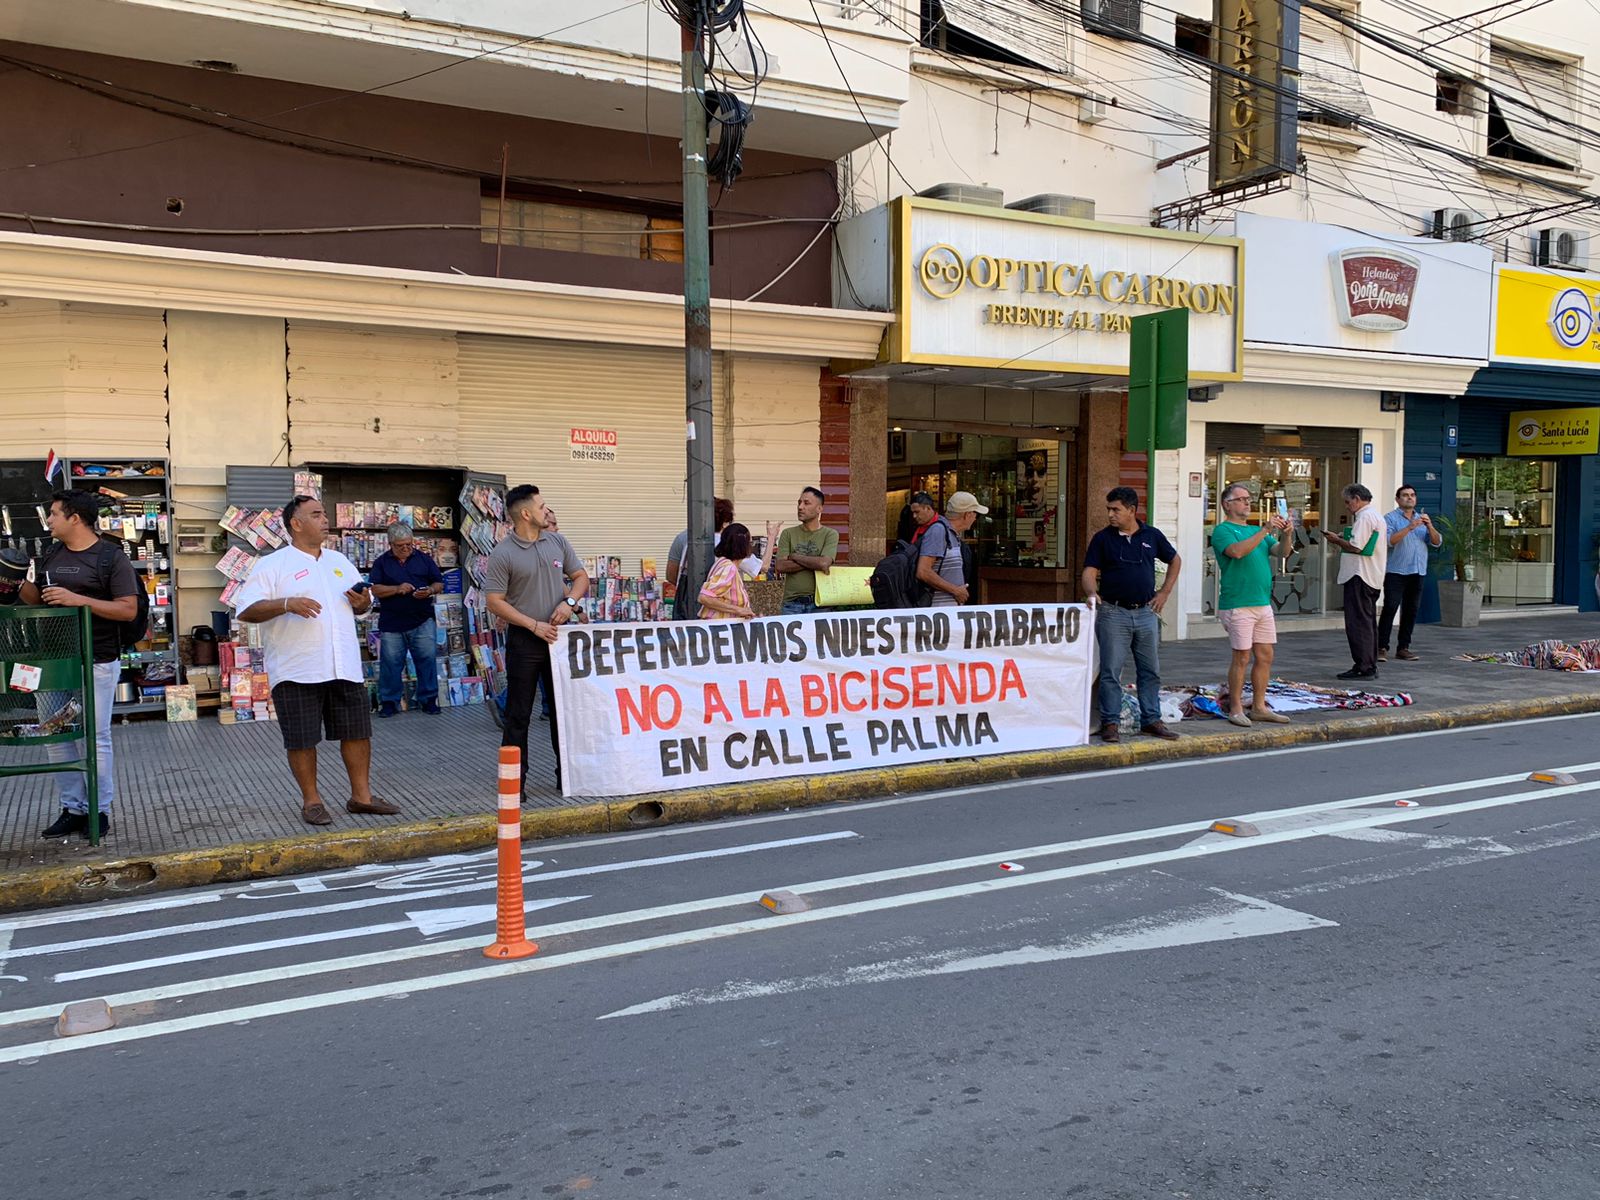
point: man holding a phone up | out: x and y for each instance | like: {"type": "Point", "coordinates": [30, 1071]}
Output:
{"type": "Point", "coordinates": [1361, 569]}
{"type": "Point", "coordinates": [1411, 535]}
{"type": "Point", "coordinates": [305, 598]}
{"type": "Point", "coordinates": [1244, 600]}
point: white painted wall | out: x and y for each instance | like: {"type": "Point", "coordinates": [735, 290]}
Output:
{"type": "Point", "coordinates": [1018, 129]}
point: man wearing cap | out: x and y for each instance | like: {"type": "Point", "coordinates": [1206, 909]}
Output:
{"type": "Point", "coordinates": [942, 562]}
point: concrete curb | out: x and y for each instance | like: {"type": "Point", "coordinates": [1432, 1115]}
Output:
{"type": "Point", "coordinates": [86, 882]}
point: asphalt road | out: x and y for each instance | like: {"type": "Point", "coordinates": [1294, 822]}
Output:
{"type": "Point", "coordinates": [1389, 992]}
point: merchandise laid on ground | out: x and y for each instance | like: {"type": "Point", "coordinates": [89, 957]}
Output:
{"type": "Point", "coordinates": [1552, 655]}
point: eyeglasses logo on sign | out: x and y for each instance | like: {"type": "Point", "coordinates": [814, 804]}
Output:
{"type": "Point", "coordinates": [1375, 287]}
{"type": "Point", "coordinates": [1572, 318]}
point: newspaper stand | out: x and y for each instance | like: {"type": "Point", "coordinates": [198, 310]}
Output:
{"type": "Point", "coordinates": [47, 692]}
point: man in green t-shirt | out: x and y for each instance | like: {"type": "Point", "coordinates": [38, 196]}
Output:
{"type": "Point", "coordinates": [803, 550]}
{"type": "Point", "coordinates": [1244, 603]}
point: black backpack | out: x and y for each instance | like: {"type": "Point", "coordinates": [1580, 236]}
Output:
{"type": "Point", "coordinates": [894, 580]}
{"type": "Point", "coordinates": [129, 633]}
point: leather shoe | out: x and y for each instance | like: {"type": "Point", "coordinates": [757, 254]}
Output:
{"type": "Point", "coordinates": [1157, 729]}
{"type": "Point", "coordinates": [1383, 656]}
{"type": "Point", "coordinates": [1406, 656]}
{"type": "Point", "coordinates": [1357, 673]}
{"type": "Point", "coordinates": [1110, 733]}
{"type": "Point", "coordinates": [377, 808]}
{"type": "Point", "coordinates": [67, 823]}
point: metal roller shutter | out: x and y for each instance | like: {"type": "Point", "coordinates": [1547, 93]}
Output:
{"type": "Point", "coordinates": [361, 395]}
{"type": "Point", "coordinates": [521, 397]}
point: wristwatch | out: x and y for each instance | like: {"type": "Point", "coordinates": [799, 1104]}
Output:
{"type": "Point", "coordinates": [572, 604]}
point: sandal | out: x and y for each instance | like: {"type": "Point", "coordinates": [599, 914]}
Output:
{"type": "Point", "coordinates": [315, 814]}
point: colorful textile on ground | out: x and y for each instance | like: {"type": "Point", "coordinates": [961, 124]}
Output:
{"type": "Point", "coordinates": [1550, 655]}
{"type": "Point", "coordinates": [1285, 696]}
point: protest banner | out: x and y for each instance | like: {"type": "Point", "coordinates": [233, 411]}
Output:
{"type": "Point", "coordinates": [664, 705]}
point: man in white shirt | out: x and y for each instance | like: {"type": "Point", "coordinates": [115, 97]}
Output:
{"type": "Point", "coordinates": [306, 598]}
{"type": "Point", "coordinates": [1362, 565]}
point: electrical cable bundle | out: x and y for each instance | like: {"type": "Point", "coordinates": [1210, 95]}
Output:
{"type": "Point", "coordinates": [730, 112]}
{"type": "Point", "coordinates": [731, 115]}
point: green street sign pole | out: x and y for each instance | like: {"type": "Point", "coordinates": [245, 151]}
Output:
{"type": "Point", "coordinates": [1158, 390]}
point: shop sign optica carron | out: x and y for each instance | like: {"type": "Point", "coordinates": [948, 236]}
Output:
{"type": "Point", "coordinates": [658, 706]}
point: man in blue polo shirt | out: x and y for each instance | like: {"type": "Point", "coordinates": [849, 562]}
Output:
{"type": "Point", "coordinates": [1119, 582]}
{"type": "Point", "coordinates": [405, 581]}
{"type": "Point", "coordinates": [1411, 535]}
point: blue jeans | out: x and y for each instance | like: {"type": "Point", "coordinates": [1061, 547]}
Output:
{"type": "Point", "coordinates": [799, 607]}
{"type": "Point", "coordinates": [1116, 630]}
{"type": "Point", "coordinates": [424, 649]}
{"type": "Point", "coordinates": [73, 787]}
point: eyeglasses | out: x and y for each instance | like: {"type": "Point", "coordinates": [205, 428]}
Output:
{"type": "Point", "coordinates": [1236, 499]}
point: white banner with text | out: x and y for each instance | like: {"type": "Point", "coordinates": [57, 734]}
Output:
{"type": "Point", "coordinates": [663, 705]}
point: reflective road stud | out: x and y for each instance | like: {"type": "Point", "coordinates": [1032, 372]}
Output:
{"type": "Point", "coordinates": [511, 932]}
{"type": "Point", "coordinates": [1234, 827]}
{"type": "Point", "coordinates": [1560, 778]}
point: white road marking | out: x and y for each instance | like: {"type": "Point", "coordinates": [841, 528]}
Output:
{"type": "Point", "coordinates": [1468, 857]}
{"type": "Point", "coordinates": [317, 910]}
{"type": "Point", "coordinates": [1305, 815]}
{"type": "Point", "coordinates": [193, 896]}
{"type": "Point", "coordinates": [687, 908]}
{"type": "Point", "coordinates": [763, 924]}
{"type": "Point", "coordinates": [1423, 841]}
{"type": "Point", "coordinates": [1235, 916]}
{"type": "Point", "coordinates": [421, 922]}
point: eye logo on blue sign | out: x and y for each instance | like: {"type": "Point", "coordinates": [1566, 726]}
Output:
{"type": "Point", "coordinates": [1572, 318]}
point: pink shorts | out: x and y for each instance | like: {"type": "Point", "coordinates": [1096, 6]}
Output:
{"type": "Point", "coordinates": [1249, 626]}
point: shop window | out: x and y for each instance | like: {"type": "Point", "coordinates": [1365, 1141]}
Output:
{"type": "Point", "coordinates": [618, 232]}
{"type": "Point", "coordinates": [1019, 479]}
{"type": "Point", "coordinates": [1331, 92]}
{"type": "Point", "coordinates": [1531, 109]}
{"type": "Point", "coordinates": [1193, 36]}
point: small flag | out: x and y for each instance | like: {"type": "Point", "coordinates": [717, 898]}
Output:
{"type": "Point", "coordinates": [52, 467]}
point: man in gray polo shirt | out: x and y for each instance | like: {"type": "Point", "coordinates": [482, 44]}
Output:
{"type": "Point", "coordinates": [526, 584]}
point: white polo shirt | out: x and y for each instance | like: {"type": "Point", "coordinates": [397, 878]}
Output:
{"type": "Point", "coordinates": [1370, 567]}
{"type": "Point", "coordinates": [307, 649]}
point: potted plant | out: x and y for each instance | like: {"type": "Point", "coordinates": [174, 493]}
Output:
{"type": "Point", "coordinates": [1468, 543]}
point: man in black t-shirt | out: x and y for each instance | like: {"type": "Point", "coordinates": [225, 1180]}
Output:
{"type": "Point", "coordinates": [1119, 582]}
{"type": "Point", "coordinates": [83, 570]}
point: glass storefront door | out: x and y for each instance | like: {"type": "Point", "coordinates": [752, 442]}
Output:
{"type": "Point", "coordinates": [1310, 486]}
{"type": "Point", "coordinates": [1517, 496]}
{"type": "Point", "coordinates": [1023, 482]}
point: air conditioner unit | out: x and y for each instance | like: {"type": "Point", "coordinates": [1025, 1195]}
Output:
{"type": "Point", "coordinates": [1456, 224]}
{"type": "Point", "coordinates": [1114, 18]}
{"type": "Point", "coordinates": [965, 193]}
{"type": "Point", "coordinates": [1561, 248]}
{"type": "Point", "coordinates": [1055, 205]}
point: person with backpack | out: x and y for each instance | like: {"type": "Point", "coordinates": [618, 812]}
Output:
{"type": "Point", "coordinates": [83, 570]}
{"type": "Point", "coordinates": [942, 555]}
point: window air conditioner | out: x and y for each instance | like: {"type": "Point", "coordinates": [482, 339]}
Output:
{"type": "Point", "coordinates": [1456, 224]}
{"type": "Point", "coordinates": [1114, 18]}
{"type": "Point", "coordinates": [1561, 248]}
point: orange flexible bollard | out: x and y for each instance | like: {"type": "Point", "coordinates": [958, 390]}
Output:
{"type": "Point", "coordinates": [511, 931]}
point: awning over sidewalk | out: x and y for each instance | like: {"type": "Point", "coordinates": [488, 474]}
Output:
{"type": "Point", "coordinates": [1510, 382]}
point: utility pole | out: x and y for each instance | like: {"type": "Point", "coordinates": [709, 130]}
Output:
{"type": "Point", "coordinates": [696, 320]}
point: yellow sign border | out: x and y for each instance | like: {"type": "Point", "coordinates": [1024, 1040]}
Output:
{"type": "Point", "coordinates": [897, 341]}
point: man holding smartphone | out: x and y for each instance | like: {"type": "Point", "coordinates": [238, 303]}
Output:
{"type": "Point", "coordinates": [1411, 535]}
{"type": "Point", "coordinates": [305, 597]}
{"type": "Point", "coordinates": [1361, 569]}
